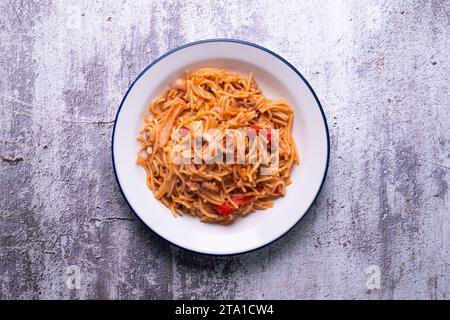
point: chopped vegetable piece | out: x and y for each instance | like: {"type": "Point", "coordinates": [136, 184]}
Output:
{"type": "Point", "coordinates": [227, 208]}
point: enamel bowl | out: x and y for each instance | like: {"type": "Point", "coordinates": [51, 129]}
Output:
{"type": "Point", "coordinates": [277, 79]}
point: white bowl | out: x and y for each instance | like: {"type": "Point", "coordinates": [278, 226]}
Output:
{"type": "Point", "coordinates": [278, 79]}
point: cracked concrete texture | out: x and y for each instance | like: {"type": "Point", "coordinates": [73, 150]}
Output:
{"type": "Point", "coordinates": [381, 71]}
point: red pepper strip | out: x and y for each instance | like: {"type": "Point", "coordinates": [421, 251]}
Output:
{"type": "Point", "coordinates": [224, 209]}
{"type": "Point", "coordinates": [257, 128]}
{"type": "Point", "coordinates": [227, 208]}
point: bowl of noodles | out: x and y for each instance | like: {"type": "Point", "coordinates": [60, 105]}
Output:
{"type": "Point", "coordinates": [220, 146]}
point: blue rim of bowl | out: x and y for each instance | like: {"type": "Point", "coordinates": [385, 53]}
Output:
{"type": "Point", "coordinates": [190, 44]}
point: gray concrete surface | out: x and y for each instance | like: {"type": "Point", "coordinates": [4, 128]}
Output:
{"type": "Point", "coordinates": [381, 70]}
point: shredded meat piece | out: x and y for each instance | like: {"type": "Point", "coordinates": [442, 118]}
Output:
{"type": "Point", "coordinates": [193, 186]}
{"type": "Point", "coordinates": [254, 86]}
{"type": "Point", "coordinates": [247, 104]}
{"type": "Point", "coordinates": [210, 186]}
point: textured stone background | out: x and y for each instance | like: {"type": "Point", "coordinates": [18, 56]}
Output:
{"type": "Point", "coordinates": [381, 70]}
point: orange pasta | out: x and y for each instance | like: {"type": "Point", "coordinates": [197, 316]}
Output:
{"type": "Point", "coordinates": [214, 191]}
